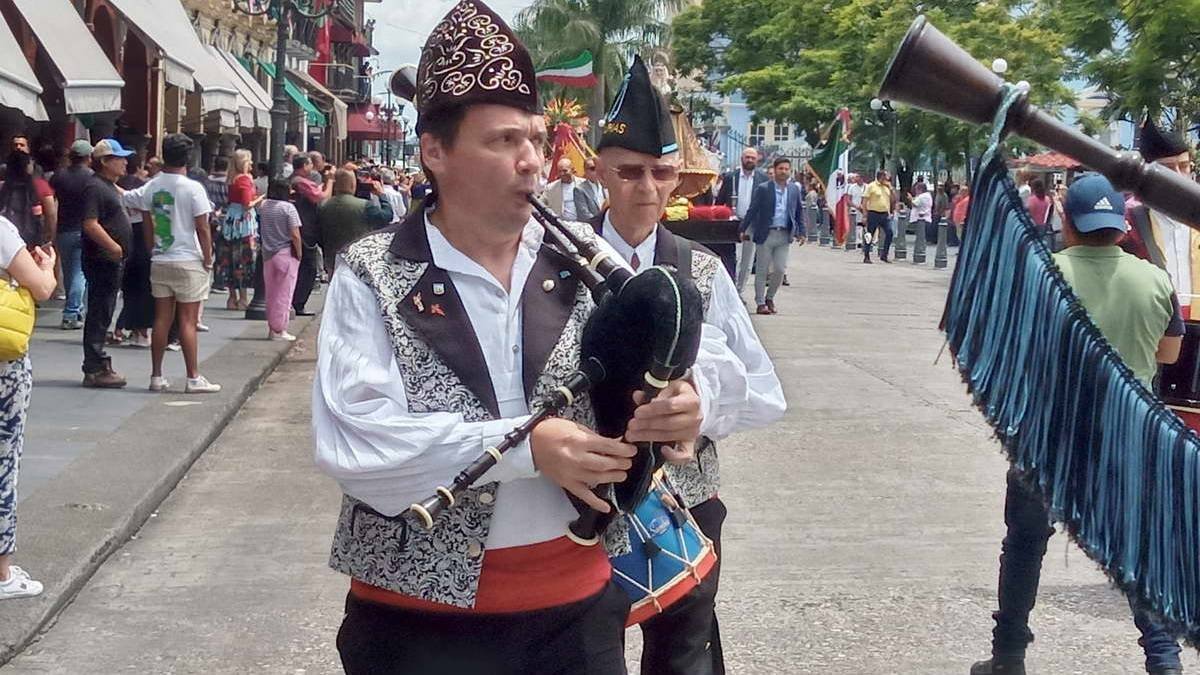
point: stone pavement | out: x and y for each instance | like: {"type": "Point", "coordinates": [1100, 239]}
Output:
{"type": "Point", "coordinates": [862, 537]}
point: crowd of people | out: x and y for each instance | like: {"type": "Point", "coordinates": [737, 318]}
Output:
{"type": "Point", "coordinates": [102, 228]}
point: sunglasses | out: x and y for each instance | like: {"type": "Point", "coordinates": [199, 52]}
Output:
{"type": "Point", "coordinates": [635, 172]}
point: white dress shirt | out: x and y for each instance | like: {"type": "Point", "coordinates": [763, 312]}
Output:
{"type": "Point", "coordinates": [745, 192]}
{"type": "Point", "coordinates": [1177, 250]}
{"type": "Point", "coordinates": [733, 374]}
{"type": "Point", "coordinates": [389, 457]}
{"type": "Point", "coordinates": [568, 200]}
{"type": "Point", "coordinates": [396, 200]}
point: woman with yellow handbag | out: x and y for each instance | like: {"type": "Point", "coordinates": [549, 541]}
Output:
{"type": "Point", "coordinates": [26, 275]}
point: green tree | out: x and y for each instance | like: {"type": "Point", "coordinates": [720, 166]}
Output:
{"type": "Point", "coordinates": [799, 60]}
{"type": "Point", "coordinates": [1144, 55]}
{"type": "Point", "coordinates": [613, 30]}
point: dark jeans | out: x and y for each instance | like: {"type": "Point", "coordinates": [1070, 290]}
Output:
{"type": "Point", "coordinates": [685, 639]}
{"type": "Point", "coordinates": [137, 305]}
{"type": "Point", "coordinates": [1021, 555]}
{"type": "Point", "coordinates": [877, 220]}
{"type": "Point", "coordinates": [582, 638]}
{"type": "Point", "coordinates": [306, 278]}
{"type": "Point", "coordinates": [103, 282]}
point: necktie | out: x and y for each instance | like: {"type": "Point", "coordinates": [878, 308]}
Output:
{"type": "Point", "coordinates": [634, 262]}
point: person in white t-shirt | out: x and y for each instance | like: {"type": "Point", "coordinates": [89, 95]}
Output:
{"type": "Point", "coordinates": [394, 196]}
{"type": "Point", "coordinates": [180, 245]}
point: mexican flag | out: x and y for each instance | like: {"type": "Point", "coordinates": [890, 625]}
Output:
{"type": "Point", "coordinates": [831, 165]}
{"type": "Point", "coordinates": [574, 73]}
{"type": "Point", "coordinates": [568, 144]}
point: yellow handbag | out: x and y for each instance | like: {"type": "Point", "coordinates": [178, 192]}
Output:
{"type": "Point", "coordinates": [17, 315]}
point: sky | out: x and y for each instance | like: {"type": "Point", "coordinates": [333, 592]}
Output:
{"type": "Point", "coordinates": [401, 27]}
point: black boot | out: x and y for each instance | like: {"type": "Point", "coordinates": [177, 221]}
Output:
{"type": "Point", "coordinates": [994, 666]}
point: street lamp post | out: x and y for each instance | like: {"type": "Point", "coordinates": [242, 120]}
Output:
{"type": "Point", "coordinates": [884, 110]}
{"type": "Point", "coordinates": [281, 11]}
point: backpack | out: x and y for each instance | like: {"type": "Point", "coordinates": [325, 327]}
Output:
{"type": "Point", "coordinates": [18, 205]}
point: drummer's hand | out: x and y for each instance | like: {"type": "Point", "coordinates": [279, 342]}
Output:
{"type": "Point", "coordinates": [673, 416]}
{"type": "Point", "coordinates": [680, 453]}
{"type": "Point", "coordinates": [577, 458]}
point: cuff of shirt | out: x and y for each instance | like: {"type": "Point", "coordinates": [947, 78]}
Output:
{"type": "Point", "coordinates": [708, 402]}
{"type": "Point", "coordinates": [514, 464]}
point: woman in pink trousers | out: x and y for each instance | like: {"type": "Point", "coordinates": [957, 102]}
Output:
{"type": "Point", "coordinates": [279, 238]}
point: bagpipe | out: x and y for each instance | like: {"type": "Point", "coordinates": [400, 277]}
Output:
{"type": "Point", "coordinates": [1115, 465]}
{"type": "Point", "coordinates": [643, 334]}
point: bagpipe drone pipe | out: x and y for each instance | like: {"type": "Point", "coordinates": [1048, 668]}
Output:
{"type": "Point", "coordinates": [1118, 468]}
{"type": "Point", "coordinates": [643, 334]}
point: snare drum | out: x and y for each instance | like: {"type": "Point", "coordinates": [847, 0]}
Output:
{"type": "Point", "coordinates": [670, 554]}
{"type": "Point", "coordinates": [1179, 382]}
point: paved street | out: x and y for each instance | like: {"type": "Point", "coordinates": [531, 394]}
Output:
{"type": "Point", "coordinates": [67, 420]}
{"type": "Point", "coordinates": [862, 537]}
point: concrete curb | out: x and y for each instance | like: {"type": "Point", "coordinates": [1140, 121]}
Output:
{"type": "Point", "coordinates": [69, 527]}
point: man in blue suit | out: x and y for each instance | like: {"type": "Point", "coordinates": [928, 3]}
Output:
{"type": "Point", "coordinates": [774, 221]}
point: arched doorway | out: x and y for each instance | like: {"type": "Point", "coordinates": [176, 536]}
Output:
{"type": "Point", "coordinates": [137, 124]}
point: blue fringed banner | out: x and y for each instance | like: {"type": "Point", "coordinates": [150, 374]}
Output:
{"type": "Point", "coordinates": [1114, 464]}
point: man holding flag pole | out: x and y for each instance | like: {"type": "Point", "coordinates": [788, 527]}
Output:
{"type": "Point", "coordinates": [830, 164]}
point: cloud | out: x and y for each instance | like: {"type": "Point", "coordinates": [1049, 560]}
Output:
{"type": "Point", "coordinates": [401, 26]}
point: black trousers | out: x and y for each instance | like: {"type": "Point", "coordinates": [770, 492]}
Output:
{"type": "Point", "coordinates": [306, 278]}
{"type": "Point", "coordinates": [103, 281]}
{"type": "Point", "coordinates": [137, 308]}
{"type": "Point", "coordinates": [582, 638]}
{"type": "Point", "coordinates": [685, 639]}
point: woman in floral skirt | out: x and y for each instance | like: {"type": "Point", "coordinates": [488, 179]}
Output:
{"type": "Point", "coordinates": [32, 269]}
{"type": "Point", "coordinates": [239, 230]}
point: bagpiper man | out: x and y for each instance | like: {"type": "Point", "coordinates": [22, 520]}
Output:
{"type": "Point", "coordinates": [438, 333]}
{"type": "Point", "coordinates": [638, 164]}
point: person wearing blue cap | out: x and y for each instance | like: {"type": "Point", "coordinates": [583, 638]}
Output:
{"type": "Point", "coordinates": [1135, 307]}
{"type": "Point", "coordinates": [107, 242]}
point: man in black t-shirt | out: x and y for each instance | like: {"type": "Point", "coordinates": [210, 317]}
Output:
{"type": "Point", "coordinates": [107, 241]}
{"type": "Point", "coordinates": [68, 185]}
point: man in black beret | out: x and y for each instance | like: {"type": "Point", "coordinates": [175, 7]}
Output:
{"type": "Point", "coordinates": [638, 164]}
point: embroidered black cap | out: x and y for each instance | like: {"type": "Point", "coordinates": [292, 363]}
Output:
{"type": "Point", "coordinates": [639, 119]}
{"type": "Point", "coordinates": [472, 56]}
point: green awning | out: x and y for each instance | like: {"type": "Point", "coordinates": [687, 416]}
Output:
{"type": "Point", "coordinates": [315, 116]}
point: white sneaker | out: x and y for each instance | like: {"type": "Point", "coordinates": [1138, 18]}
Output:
{"type": "Point", "coordinates": [19, 585]}
{"type": "Point", "coordinates": [201, 385]}
{"type": "Point", "coordinates": [282, 336]}
{"type": "Point", "coordinates": [173, 346]}
{"type": "Point", "coordinates": [139, 341]}
{"type": "Point", "coordinates": [159, 384]}
{"type": "Point", "coordinates": [201, 328]}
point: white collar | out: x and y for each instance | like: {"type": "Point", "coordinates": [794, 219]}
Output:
{"type": "Point", "coordinates": [644, 250]}
{"type": "Point", "coordinates": [446, 257]}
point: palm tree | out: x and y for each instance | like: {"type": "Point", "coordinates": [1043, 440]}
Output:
{"type": "Point", "coordinates": [613, 30]}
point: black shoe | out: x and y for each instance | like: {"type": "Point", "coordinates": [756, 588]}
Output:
{"type": "Point", "coordinates": [867, 261]}
{"type": "Point", "coordinates": [994, 667]}
{"type": "Point", "coordinates": [1167, 671]}
{"type": "Point", "coordinates": [305, 313]}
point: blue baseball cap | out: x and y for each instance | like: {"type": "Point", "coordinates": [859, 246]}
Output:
{"type": "Point", "coordinates": [1094, 204]}
{"type": "Point", "coordinates": [109, 147]}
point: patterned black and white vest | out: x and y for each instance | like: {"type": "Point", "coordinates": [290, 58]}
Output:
{"type": "Point", "coordinates": [444, 370]}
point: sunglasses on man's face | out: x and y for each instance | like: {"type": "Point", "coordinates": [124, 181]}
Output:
{"type": "Point", "coordinates": [634, 172]}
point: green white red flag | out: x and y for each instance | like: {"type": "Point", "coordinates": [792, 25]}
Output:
{"type": "Point", "coordinates": [576, 72]}
{"type": "Point", "coordinates": [830, 164]}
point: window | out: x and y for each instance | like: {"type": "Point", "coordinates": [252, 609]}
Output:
{"type": "Point", "coordinates": [758, 135]}
{"type": "Point", "coordinates": [783, 132]}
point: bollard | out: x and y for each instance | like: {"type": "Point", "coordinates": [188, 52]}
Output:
{"type": "Point", "coordinates": [826, 229]}
{"type": "Point", "coordinates": [852, 234]}
{"type": "Point", "coordinates": [919, 244]}
{"type": "Point", "coordinates": [901, 236]}
{"type": "Point", "coordinates": [814, 228]}
{"type": "Point", "coordinates": [939, 256]}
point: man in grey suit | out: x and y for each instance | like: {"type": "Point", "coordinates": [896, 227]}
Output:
{"type": "Point", "coordinates": [737, 187]}
{"type": "Point", "coordinates": [774, 221]}
{"type": "Point", "coordinates": [568, 197]}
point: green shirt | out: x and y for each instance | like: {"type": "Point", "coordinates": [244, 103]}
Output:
{"type": "Point", "coordinates": [1130, 300]}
